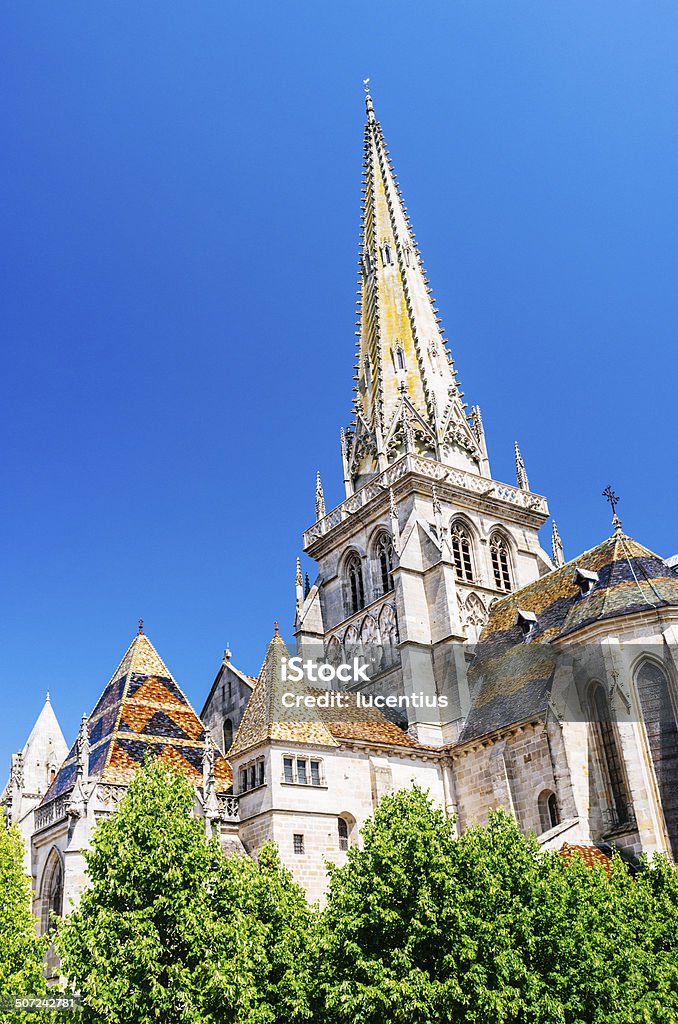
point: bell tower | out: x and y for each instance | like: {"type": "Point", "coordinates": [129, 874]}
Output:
{"type": "Point", "coordinates": [425, 539]}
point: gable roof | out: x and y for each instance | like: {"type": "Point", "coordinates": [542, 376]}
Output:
{"type": "Point", "coordinates": [510, 676]}
{"type": "Point", "coordinates": [141, 712]}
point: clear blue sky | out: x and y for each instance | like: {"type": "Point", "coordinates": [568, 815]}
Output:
{"type": "Point", "coordinates": [179, 204]}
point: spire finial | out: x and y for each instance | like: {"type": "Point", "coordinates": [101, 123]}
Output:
{"type": "Point", "coordinates": [47, 700]}
{"type": "Point", "coordinates": [557, 546]}
{"type": "Point", "coordinates": [276, 631]}
{"type": "Point", "coordinates": [299, 579]}
{"type": "Point", "coordinates": [368, 99]}
{"type": "Point", "coordinates": [521, 475]}
{"type": "Point", "coordinates": [319, 498]}
{"type": "Point", "coordinates": [614, 500]}
{"type": "Point", "coordinates": [140, 631]}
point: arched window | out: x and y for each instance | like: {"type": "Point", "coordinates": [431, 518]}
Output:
{"type": "Point", "coordinates": [356, 590]}
{"type": "Point", "coordinates": [661, 729]}
{"type": "Point", "coordinates": [343, 833]}
{"type": "Point", "coordinates": [549, 815]}
{"type": "Point", "coordinates": [384, 551]}
{"type": "Point", "coordinates": [610, 756]}
{"type": "Point", "coordinates": [52, 891]}
{"type": "Point", "coordinates": [228, 734]}
{"type": "Point", "coordinates": [400, 358]}
{"type": "Point", "coordinates": [500, 562]}
{"type": "Point", "coordinates": [461, 553]}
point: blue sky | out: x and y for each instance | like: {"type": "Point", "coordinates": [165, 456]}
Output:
{"type": "Point", "coordinates": [179, 204]}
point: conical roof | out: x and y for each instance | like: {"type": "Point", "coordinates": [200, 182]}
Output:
{"type": "Point", "coordinates": [142, 712]}
{"type": "Point", "coordinates": [265, 716]}
{"type": "Point", "coordinates": [511, 674]}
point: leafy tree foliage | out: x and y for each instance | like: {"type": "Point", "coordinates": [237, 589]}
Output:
{"type": "Point", "coordinates": [422, 927]}
{"type": "Point", "coordinates": [21, 951]}
{"type": "Point", "coordinates": [170, 930]}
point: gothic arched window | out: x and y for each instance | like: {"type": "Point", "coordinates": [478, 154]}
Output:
{"type": "Point", "coordinates": [343, 833]}
{"type": "Point", "coordinates": [500, 562]}
{"type": "Point", "coordinates": [356, 589]}
{"type": "Point", "coordinates": [52, 891]}
{"type": "Point", "coordinates": [659, 717]}
{"type": "Point", "coordinates": [548, 810]}
{"type": "Point", "coordinates": [400, 358]}
{"type": "Point", "coordinates": [461, 553]}
{"type": "Point", "coordinates": [384, 551]}
{"type": "Point", "coordinates": [610, 756]}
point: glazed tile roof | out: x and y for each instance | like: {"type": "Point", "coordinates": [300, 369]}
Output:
{"type": "Point", "coordinates": [510, 676]}
{"type": "Point", "coordinates": [141, 711]}
{"type": "Point", "coordinates": [265, 718]}
{"type": "Point", "coordinates": [591, 856]}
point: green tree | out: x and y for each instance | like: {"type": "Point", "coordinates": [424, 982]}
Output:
{"type": "Point", "coordinates": [423, 927]}
{"type": "Point", "coordinates": [21, 951]}
{"type": "Point", "coordinates": [172, 930]}
{"type": "Point", "coordinates": [146, 943]}
{"type": "Point", "coordinates": [265, 894]}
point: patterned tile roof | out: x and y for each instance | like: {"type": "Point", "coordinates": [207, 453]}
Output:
{"type": "Point", "coordinates": [510, 676]}
{"type": "Point", "coordinates": [591, 855]}
{"type": "Point", "coordinates": [265, 717]}
{"type": "Point", "coordinates": [141, 711]}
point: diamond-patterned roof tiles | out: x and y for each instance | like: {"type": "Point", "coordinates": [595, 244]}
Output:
{"type": "Point", "coordinates": [142, 712]}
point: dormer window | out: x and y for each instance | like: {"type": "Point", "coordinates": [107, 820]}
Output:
{"type": "Point", "coordinates": [386, 254]}
{"type": "Point", "coordinates": [526, 620]}
{"type": "Point", "coordinates": [400, 358]}
{"type": "Point", "coordinates": [585, 580]}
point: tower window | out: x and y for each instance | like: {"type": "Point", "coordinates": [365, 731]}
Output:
{"type": "Point", "coordinates": [298, 842]}
{"type": "Point", "coordinates": [500, 563]}
{"type": "Point", "coordinates": [252, 775]}
{"type": "Point", "coordinates": [356, 588]}
{"type": "Point", "coordinates": [343, 833]}
{"type": "Point", "coordinates": [610, 755]}
{"type": "Point", "coordinates": [385, 556]}
{"type": "Point", "coordinates": [461, 553]}
{"type": "Point", "coordinates": [302, 771]}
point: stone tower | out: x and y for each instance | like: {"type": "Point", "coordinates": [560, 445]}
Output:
{"type": "Point", "coordinates": [426, 539]}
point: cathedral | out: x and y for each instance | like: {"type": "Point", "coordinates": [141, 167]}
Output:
{"type": "Point", "coordinates": [484, 669]}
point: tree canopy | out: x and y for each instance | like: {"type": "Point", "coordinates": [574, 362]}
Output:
{"type": "Point", "coordinates": [424, 927]}
{"type": "Point", "coordinates": [171, 930]}
{"type": "Point", "coordinates": [21, 951]}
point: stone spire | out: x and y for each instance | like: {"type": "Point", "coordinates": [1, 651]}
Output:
{"type": "Point", "coordinates": [521, 475]}
{"type": "Point", "coordinates": [299, 585]}
{"type": "Point", "coordinates": [401, 350]}
{"type": "Point", "coordinates": [319, 498]}
{"type": "Point", "coordinates": [557, 546]}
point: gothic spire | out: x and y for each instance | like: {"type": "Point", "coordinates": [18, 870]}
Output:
{"type": "Point", "coordinates": [319, 498]}
{"type": "Point", "coordinates": [557, 546]}
{"type": "Point", "coordinates": [402, 357]}
{"type": "Point", "coordinates": [521, 475]}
